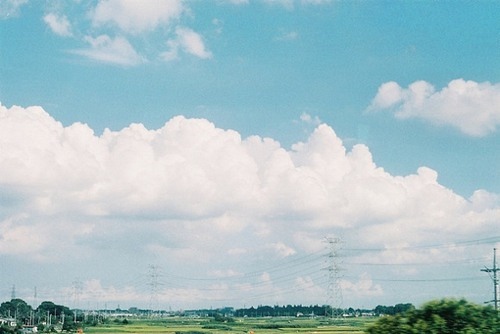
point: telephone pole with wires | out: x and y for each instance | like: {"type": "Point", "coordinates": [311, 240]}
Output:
{"type": "Point", "coordinates": [492, 272]}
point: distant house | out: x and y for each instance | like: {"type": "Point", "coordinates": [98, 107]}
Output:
{"type": "Point", "coordinates": [8, 321]}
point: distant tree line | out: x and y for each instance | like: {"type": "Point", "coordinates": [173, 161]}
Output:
{"type": "Point", "coordinates": [277, 311]}
{"type": "Point", "coordinates": [318, 310]}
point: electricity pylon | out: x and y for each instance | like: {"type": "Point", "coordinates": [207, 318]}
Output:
{"type": "Point", "coordinates": [334, 275]}
{"type": "Point", "coordinates": [154, 285]}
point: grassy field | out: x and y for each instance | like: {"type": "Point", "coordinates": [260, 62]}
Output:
{"type": "Point", "coordinates": [239, 326]}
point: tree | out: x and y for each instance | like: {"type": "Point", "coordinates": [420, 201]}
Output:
{"type": "Point", "coordinates": [53, 313]}
{"type": "Point", "coordinates": [16, 308]}
{"type": "Point", "coordinates": [7, 330]}
{"type": "Point", "coordinates": [446, 316]}
{"type": "Point", "coordinates": [53, 309]}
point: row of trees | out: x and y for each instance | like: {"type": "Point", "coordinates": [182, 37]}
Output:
{"type": "Point", "coordinates": [21, 311]}
{"type": "Point", "coordinates": [46, 316]}
{"type": "Point", "coordinates": [318, 310]}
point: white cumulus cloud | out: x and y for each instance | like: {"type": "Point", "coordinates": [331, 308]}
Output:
{"type": "Point", "coordinates": [106, 49]}
{"type": "Point", "coordinates": [471, 107]}
{"type": "Point", "coordinates": [124, 32]}
{"type": "Point", "coordinates": [205, 199]}
{"type": "Point", "coordinates": [136, 17]}
{"type": "Point", "coordinates": [189, 42]}
{"type": "Point", "coordinates": [60, 25]}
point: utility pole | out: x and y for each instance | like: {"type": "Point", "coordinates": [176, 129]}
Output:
{"type": "Point", "coordinates": [493, 275]}
{"type": "Point", "coordinates": [35, 304]}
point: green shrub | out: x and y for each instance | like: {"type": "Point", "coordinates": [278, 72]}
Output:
{"type": "Point", "coordinates": [217, 327]}
{"type": "Point", "coordinates": [277, 325]}
{"type": "Point", "coordinates": [446, 316]}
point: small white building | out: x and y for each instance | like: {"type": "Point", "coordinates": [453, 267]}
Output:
{"type": "Point", "coordinates": [8, 321]}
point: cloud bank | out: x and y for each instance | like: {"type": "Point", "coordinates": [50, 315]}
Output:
{"type": "Point", "coordinates": [201, 197]}
{"type": "Point", "coordinates": [471, 107]}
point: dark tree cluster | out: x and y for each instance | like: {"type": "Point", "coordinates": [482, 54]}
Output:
{"type": "Point", "coordinates": [303, 310]}
{"type": "Point", "coordinates": [277, 311]}
{"type": "Point", "coordinates": [393, 310]}
{"type": "Point", "coordinates": [46, 316]}
{"type": "Point", "coordinates": [16, 308]}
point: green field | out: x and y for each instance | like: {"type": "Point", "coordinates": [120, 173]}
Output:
{"type": "Point", "coordinates": [238, 326]}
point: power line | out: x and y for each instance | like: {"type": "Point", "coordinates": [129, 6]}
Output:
{"type": "Point", "coordinates": [429, 280]}
{"type": "Point", "coordinates": [473, 242]}
{"type": "Point", "coordinates": [288, 269]}
{"type": "Point", "coordinates": [469, 261]}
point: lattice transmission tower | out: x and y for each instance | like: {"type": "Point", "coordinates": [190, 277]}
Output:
{"type": "Point", "coordinates": [154, 285]}
{"type": "Point", "coordinates": [334, 293]}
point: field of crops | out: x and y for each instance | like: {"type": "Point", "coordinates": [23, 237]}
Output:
{"type": "Point", "coordinates": [238, 326]}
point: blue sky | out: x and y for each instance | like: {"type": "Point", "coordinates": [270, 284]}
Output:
{"type": "Point", "coordinates": [391, 107]}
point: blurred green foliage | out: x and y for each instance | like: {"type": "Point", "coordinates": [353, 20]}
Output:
{"type": "Point", "coordinates": [446, 316]}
